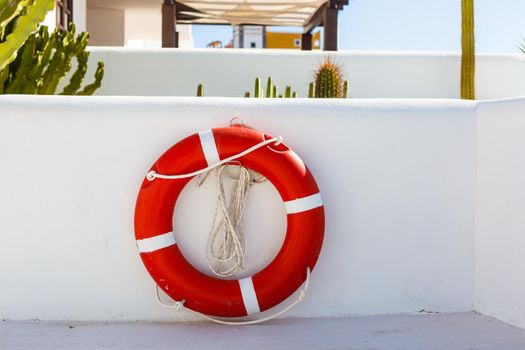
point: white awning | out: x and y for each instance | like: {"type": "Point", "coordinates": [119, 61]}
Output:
{"type": "Point", "coordinates": [261, 12]}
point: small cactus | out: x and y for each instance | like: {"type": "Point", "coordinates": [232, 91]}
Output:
{"type": "Point", "coordinates": [329, 81]}
{"type": "Point", "coordinates": [311, 90]}
{"type": "Point", "coordinates": [269, 88]}
{"type": "Point", "coordinates": [258, 91]}
{"type": "Point", "coordinates": [288, 91]}
{"type": "Point", "coordinates": [345, 89]}
{"type": "Point", "coordinates": [200, 90]}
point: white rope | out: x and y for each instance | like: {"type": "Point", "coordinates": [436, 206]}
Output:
{"type": "Point", "coordinates": [227, 257]}
{"type": "Point", "coordinates": [152, 175]}
{"type": "Point", "coordinates": [179, 305]}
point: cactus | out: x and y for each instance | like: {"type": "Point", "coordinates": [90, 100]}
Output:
{"type": "Point", "coordinates": [258, 90]}
{"type": "Point", "coordinates": [288, 91]}
{"type": "Point", "coordinates": [345, 89]}
{"type": "Point", "coordinates": [328, 81]}
{"type": "Point", "coordinates": [311, 90]}
{"type": "Point", "coordinates": [43, 61]}
{"type": "Point", "coordinates": [23, 18]}
{"type": "Point", "coordinates": [468, 58]}
{"type": "Point", "coordinates": [200, 90]}
{"type": "Point", "coordinates": [269, 88]}
{"type": "Point", "coordinates": [91, 88]}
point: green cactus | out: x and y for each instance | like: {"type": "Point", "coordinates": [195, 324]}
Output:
{"type": "Point", "coordinates": [269, 88]}
{"type": "Point", "coordinates": [200, 90]}
{"type": "Point", "coordinates": [97, 83]}
{"type": "Point", "coordinates": [23, 18]}
{"type": "Point", "coordinates": [311, 90]}
{"type": "Point", "coordinates": [288, 91]}
{"type": "Point", "coordinates": [258, 90]}
{"type": "Point", "coordinates": [329, 81]}
{"type": "Point", "coordinates": [468, 56]}
{"type": "Point", "coordinates": [345, 89]}
{"type": "Point", "coordinates": [43, 61]}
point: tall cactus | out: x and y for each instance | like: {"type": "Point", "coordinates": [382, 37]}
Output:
{"type": "Point", "coordinates": [43, 61]}
{"type": "Point", "coordinates": [468, 56]}
{"type": "Point", "coordinates": [329, 81]}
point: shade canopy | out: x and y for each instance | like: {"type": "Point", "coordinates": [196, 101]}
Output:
{"type": "Point", "coordinates": [259, 12]}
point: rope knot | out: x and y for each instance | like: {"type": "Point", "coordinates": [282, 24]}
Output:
{"type": "Point", "coordinates": [151, 175]}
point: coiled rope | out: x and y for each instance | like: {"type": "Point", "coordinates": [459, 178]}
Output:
{"type": "Point", "coordinates": [227, 256]}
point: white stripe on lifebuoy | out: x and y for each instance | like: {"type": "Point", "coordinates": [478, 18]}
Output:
{"type": "Point", "coordinates": [303, 204]}
{"type": "Point", "coordinates": [248, 296]}
{"type": "Point", "coordinates": [209, 147]}
{"type": "Point", "coordinates": [152, 244]}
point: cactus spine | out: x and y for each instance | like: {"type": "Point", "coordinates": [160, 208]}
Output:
{"type": "Point", "coordinates": [43, 61]}
{"type": "Point", "coordinates": [468, 58]}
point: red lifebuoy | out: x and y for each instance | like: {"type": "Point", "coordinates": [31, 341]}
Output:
{"type": "Point", "coordinates": [268, 287]}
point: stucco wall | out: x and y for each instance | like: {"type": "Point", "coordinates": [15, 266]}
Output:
{"type": "Point", "coordinates": [397, 178]}
{"type": "Point", "coordinates": [229, 72]}
{"type": "Point", "coordinates": [500, 218]}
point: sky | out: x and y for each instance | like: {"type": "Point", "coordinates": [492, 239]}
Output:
{"type": "Point", "coordinates": [420, 25]}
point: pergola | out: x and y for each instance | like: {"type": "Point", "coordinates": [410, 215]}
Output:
{"type": "Point", "coordinates": [307, 14]}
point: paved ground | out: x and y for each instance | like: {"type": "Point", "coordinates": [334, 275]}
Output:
{"type": "Point", "coordinates": [406, 332]}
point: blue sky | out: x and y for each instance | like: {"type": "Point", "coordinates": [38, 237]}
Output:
{"type": "Point", "coordinates": [423, 25]}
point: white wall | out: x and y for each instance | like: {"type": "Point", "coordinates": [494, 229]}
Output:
{"type": "Point", "coordinates": [230, 72]}
{"type": "Point", "coordinates": [143, 29]}
{"type": "Point", "coordinates": [500, 214]}
{"type": "Point", "coordinates": [396, 177]}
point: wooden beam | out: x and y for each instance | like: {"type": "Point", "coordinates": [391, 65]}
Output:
{"type": "Point", "coordinates": [315, 20]}
{"type": "Point", "coordinates": [169, 36]}
{"type": "Point", "coordinates": [330, 29]}
{"type": "Point", "coordinates": [306, 41]}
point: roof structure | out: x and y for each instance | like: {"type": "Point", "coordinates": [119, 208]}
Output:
{"type": "Point", "coordinates": [307, 14]}
{"type": "Point", "coordinates": [259, 12]}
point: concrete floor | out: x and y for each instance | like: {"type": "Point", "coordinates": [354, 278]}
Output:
{"type": "Point", "coordinates": [406, 332]}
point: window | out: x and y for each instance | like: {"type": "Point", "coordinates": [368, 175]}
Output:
{"type": "Point", "coordinates": [64, 11]}
{"type": "Point", "coordinates": [253, 45]}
